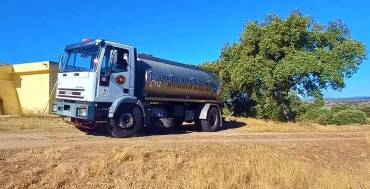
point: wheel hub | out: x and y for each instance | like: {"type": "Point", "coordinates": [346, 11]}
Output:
{"type": "Point", "coordinates": [126, 121]}
{"type": "Point", "coordinates": [212, 120]}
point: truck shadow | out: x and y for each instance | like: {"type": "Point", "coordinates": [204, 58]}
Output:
{"type": "Point", "coordinates": [187, 128]}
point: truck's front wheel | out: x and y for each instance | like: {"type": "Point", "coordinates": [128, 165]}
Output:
{"type": "Point", "coordinates": [127, 122]}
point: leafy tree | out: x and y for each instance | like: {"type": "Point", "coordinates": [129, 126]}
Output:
{"type": "Point", "coordinates": [282, 58]}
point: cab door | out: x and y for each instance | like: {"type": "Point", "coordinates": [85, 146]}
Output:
{"type": "Point", "coordinates": [114, 79]}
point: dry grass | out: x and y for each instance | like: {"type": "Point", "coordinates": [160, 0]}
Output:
{"type": "Point", "coordinates": [55, 124]}
{"type": "Point", "coordinates": [27, 123]}
{"type": "Point", "coordinates": [258, 125]}
{"type": "Point", "coordinates": [129, 163]}
{"type": "Point", "coordinates": [195, 166]}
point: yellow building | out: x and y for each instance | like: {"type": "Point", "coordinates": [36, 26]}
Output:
{"type": "Point", "coordinates": [26, 88]}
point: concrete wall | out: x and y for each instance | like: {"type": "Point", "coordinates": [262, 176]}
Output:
{"type": "Point", "coordinates": [9, 98]}
{"type": "Point", "coordinates": [33, 91]}
{"type": "Point", "coordinates": [26, 88]}
{"type": "Point", "coordinates": [8, 94]}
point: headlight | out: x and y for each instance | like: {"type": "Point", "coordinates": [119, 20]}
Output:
{"type": "Point", "coordinates": [81, 112]}
{"type": "Point", "coordinates": [55, 108]}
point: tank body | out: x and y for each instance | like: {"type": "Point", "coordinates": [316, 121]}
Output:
{"type": "Point", "coordinates": [157, 77]}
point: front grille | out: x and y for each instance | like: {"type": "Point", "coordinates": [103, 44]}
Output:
{"type": "Point", "coordinates": [67, 96]}
{"type": "Point", "coordinates": [70, 93]}
{"type": "Point", "coordinates": [69, 89]}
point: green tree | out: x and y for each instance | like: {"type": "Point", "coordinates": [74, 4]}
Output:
{"type": "Point", "coordinates": [278, 59]}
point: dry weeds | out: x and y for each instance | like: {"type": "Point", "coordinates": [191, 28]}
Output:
{"type": "Point", "coordinates": [28, 123]}
{"type": "Point", "coordinates": [258, 125]}
{"type": "Point", "coordinates": [55, 124]}
{"type": "Point", "coordinates": [107, 164]}
{"type": "Point", "coordinates": [195, 166]}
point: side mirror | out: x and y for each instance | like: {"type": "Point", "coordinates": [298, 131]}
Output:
{"type": "Point", "coordinates": [113, 56]}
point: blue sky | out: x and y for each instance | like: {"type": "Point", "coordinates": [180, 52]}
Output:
{"type": "Point", "coordinates": [189, 31]}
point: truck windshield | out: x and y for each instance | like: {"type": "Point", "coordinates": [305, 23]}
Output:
{"type": "Point", "coordinates": [82, 59]}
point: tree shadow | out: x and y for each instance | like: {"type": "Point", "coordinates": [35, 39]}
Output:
{"type": "Point", "coordinates": [232, 124]}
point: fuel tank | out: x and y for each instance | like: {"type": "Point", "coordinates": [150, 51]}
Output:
{"type": "Point", "coordinates": [156, 77]}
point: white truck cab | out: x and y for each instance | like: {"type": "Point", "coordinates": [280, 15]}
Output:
{"type": "Point", "coordinates": [86, 81]}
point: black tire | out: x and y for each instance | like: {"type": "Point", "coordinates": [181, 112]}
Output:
{"type": "Point", "coordinates": [213, 120]}
{"type": "Point", "coordinates": [126, 122]}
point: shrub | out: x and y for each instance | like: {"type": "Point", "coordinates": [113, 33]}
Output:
{"type": "Point", "coordinates": [313, 113]}
{"type": "Point", "coordinates": [365, 109]}
{"type": "Point", "coordinates": [326, 118]}
{"type": "Point", "coordinates": [339, 114]}
{"type": "Point", "coordinates": [350, 116]}
{"type": "Point", "coordinates": [318, 115]}
{"type": "Point", "coordinates": [341, 107]}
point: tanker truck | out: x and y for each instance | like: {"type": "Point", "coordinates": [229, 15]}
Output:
{"type": "Point", "coordinates": [108, 84]}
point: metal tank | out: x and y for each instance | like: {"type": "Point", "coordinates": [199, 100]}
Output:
{"type": "Point", "coordinates": [157, 77]}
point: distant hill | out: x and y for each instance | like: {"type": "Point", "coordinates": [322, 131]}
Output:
{"type": "Point", "coordinates": [345, 99]}
{"type": "Point", "coordinates": [350, 100]}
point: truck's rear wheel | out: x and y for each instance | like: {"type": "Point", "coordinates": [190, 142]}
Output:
{"type": "Point", "coordinates": [213, 120]}
{"type": "Point", "coordinates": [126, 123]}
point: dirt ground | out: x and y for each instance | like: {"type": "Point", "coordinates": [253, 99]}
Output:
{"type": "Point", "coordinates": [46, 152]}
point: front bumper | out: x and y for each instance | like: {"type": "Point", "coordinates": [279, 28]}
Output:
{"type": "Point", "coordinates": [79, 110]}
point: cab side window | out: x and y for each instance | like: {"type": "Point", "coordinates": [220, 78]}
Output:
{"type": "Point", "coordinates": [122, 61]}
